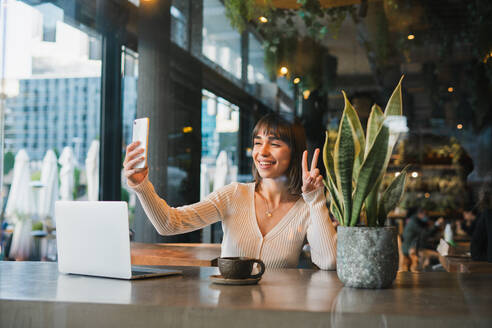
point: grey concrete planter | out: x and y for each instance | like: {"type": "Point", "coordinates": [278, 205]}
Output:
{"type": "Point", "coordinates": [367, 257]}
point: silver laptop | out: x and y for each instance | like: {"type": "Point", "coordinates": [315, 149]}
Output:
{"type": "Point", "coordinates": [93, 239]}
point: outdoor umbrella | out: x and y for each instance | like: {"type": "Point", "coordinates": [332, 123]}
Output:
{"type": "Point", "coordinates": [21, 200]}
{"type": "Point", "coordinates": [20, 207]}
{"type": "Point", "coordinates": [67, 161]}
{"type": "Point", "coordinates": [221, 170]}
{"type": "Point", "coordinates": [92, 171]}
{"type": "Point", "coordinates": [204, 181]}
{"type": "Point", "coordinates": [49, 181]}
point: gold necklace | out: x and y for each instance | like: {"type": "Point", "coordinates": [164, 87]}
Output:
{"type": "Point", "coordinates": [268, 213]}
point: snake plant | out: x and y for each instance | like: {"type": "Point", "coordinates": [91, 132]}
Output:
{"type": "Point", "coordinates": [356, 165]}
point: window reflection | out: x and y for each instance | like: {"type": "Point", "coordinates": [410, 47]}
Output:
{"type": "Point", "coordinates": [221, 43]}
{"type": "Point", "coordinates": [129, 85]}
{"type": "Point", "coordinates": [256, 65]}
{"type": "Point", "coordinates": [220, 135]}
{"type": "Point", "coordinates": [179, 22]}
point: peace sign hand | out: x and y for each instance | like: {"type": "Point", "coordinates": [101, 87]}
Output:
{"type": "Point", "coordinates": [311, 179]}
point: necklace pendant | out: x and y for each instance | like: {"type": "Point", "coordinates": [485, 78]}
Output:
{"type": "Point", "coordinates": [269, 214]}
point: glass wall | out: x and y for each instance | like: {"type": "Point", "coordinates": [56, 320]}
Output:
{"type": "Point", "coordinates": [51, 81]}
{"type": "Point", "coordinates": [129, 86]}
{"type": "Point", "coordinates": [180, 18]}
{"type": "Point", "coordinates": [221, 43]}
{"type": "Point", "coordinates": [256, 66]}
{"type": "Point", "coordinates": [180, 10]}
{"type": "Point", "coordinates": [220, 136]}
{"type": "Point", "coordinates": [258, 79]}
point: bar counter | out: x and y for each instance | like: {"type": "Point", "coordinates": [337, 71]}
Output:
{"type": "Point", "coordinates": [34, 294]}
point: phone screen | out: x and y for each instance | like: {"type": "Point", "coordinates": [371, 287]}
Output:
{"type": "Point", "coordinates": [141, 133]}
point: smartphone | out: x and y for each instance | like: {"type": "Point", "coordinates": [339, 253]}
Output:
{"type": "Point", "coordinates": [141, 133]}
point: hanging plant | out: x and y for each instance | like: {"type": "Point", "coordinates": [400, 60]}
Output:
{"type": "Point", "coordinates": [336, 16]}
{"type": "Point", "coordinates": [320, 21]}
{"type": "Point", "coordinates": [317, 20]}
{"type": "Point", "coordinates": [303, 55]}
{"type": "Point", "coordinates": [279, 51]}
{"type": "Point", "coordinates": [241, 12]}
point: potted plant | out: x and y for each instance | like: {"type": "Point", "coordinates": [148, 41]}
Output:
{"type": "Point", "coordinates": [367, 251]}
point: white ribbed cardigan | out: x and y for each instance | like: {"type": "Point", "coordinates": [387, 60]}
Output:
{"type": "Point", "coordinates": [234, 205]}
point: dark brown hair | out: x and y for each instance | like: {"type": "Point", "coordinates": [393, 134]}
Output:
{"type": "Point", "coordinates": [290, 131]}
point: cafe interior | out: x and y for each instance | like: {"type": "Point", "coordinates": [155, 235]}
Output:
{"type": "Point", "coordinates": [75, 74]}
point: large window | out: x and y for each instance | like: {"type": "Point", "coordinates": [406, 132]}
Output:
{"type": "Point", "coordinates": [129, 86]}
{"type": "Point", "coordinates": [180, 17]}
{"type": "Point", "coordinates": [219, 164]}
{"type": "Point", "coordinates": [256, 66]}
{"type": "Point", "coordinates": [51, 70]}
{"type": "Point", "coordinates": [221, 43]}
{"type": "Point", "coordinates": [180, 10]}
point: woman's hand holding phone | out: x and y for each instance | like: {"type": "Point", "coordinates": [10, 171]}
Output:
{"type": "Point", "coordinates": [135, 164]}
{"type": "Point", "coordinates": [134, 157]}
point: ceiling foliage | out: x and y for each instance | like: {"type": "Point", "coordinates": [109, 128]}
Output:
{"type": "Point", "coordinates": [292, 32]}
{"type": "Point", "coordinates": [391, 31]}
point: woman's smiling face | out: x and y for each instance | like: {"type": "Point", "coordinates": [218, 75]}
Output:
{"type": "Point", "coordinates": [270, 155]}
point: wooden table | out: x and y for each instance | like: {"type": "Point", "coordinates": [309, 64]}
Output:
{"type": "Point", "coordinates": [175, 254]}
{"type": "Point", "coordinates": [464, 265]}
{"type": "Point", "coordinates": [460, 261]}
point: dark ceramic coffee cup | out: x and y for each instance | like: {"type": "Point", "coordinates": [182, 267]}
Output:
{"type": "Point", "coordinates": [239, 267]}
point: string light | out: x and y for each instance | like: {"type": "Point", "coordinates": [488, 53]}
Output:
{"type": "Point", "coordinates": [487, 57]}
{"type": "Point", "coordinates": [187, 129]}
{"type": "Point", "coordinates": [459, 126]}
{"type": "Point", "coordinates": [397, 174]}
{"type": "Point", "coordinates": [450, 89]}
{"type": "Point", "coordinates": [411, 37]}
{"type": "Point", "coordinates": [415, 174]}
{"type": "Point", "coordinates": [297, 80]}
{"type": "Point", "coordinates": [263, 19]}
{"type": "Point", "coordinates": [306, 94]}
{"type": "Point", "coordinates": [284, 70]}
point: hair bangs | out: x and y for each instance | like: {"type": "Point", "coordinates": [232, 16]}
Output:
{"type": "Point", "coordinates": [275, 126]}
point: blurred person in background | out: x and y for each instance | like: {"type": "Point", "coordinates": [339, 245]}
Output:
{"type": "Point", "coordinates": [467, 226]}
{"type": "Point", "coordinates": [481, 243]}
{"type": "Point", "coordinates": [418, 237]}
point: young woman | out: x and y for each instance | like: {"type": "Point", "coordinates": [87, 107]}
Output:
{"type": "Point", "coordinates": [267, 219]}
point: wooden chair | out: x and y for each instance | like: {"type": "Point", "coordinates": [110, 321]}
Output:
{"type": "Point", "coordinates": [404, 261]}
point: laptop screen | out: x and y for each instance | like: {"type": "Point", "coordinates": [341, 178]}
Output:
{"type": "Point", "coordinates": [93, 238]}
